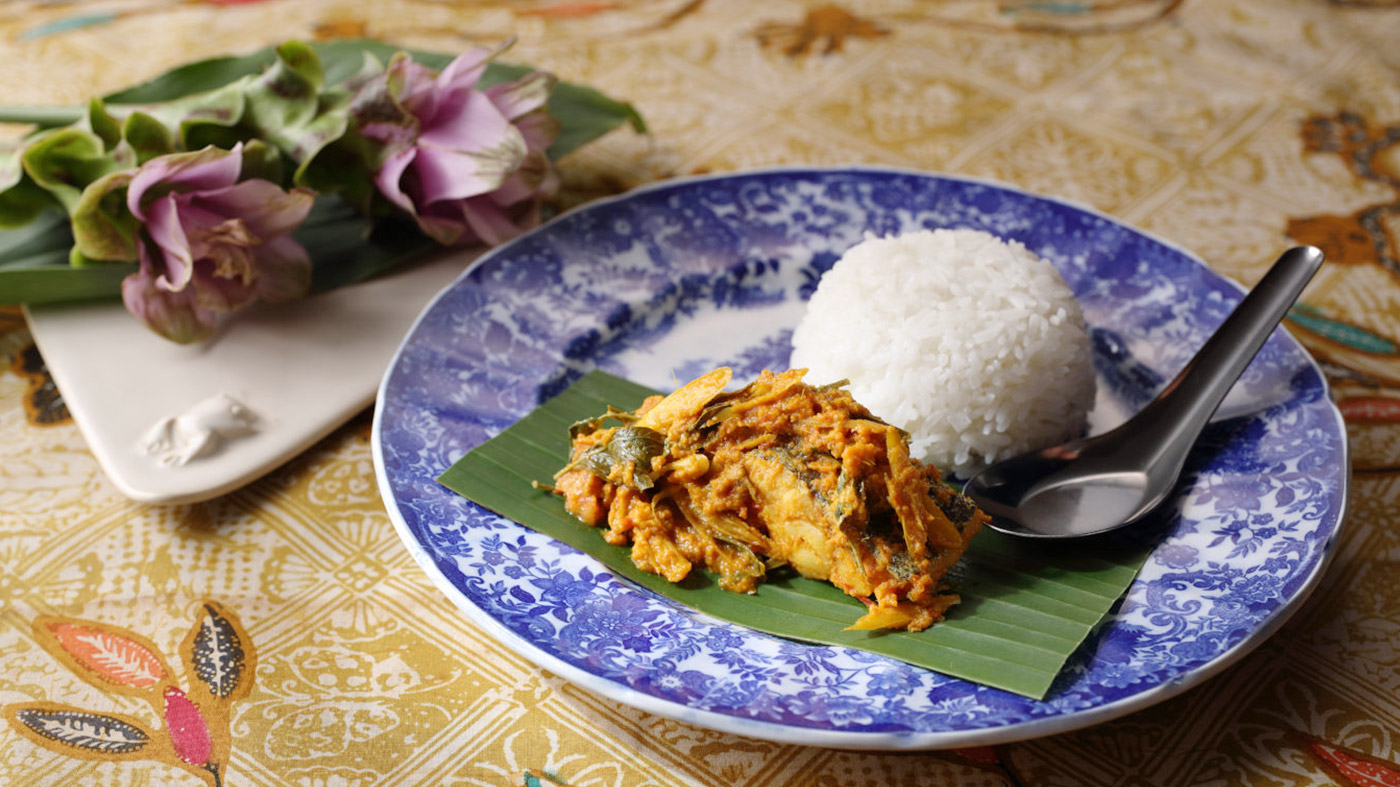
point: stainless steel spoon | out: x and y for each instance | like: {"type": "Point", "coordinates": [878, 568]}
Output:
{"type": "Point", "coordinates": [1097, 484]}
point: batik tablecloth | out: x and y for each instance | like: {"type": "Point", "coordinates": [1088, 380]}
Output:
{"type": "Point", "coordinates": [1232, 128]}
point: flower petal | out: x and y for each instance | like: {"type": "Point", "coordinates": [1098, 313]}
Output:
{"type": "Point", "coordinates": [445, 226]}
{"type": "Point", "coordinates": [466, 69]}
{"type": "Point", "coordinates": [491, 223]}
{"type": "Point", "coordinates": [471, 172]}
{"type": "Point", "coordinates": [284, 270]}
{"type": "Point", "coordinates": [535, 178]}
{"type": "Point", "coordinates": [524, 95]}
{"type": "Point", "coordinates": [264, 207]}
{"type": "Point", "coordinates": [539, 128]}
{"type": "Point", "coordinates": [199, 225]}
{"type": "Point", "coordinates": [448, 174]}
{"type": "Point", "coordinates": [380, 115]}
{"type": "Point", "coordinates": [412, 85]}
{"type": "Point", "coordinates": [170, 314]}
{"type": "Point", "coordinates": [224, 279]}
{"type": "Point", "coordinates": [471, 122]}
{"type": "Point", "coordinates": [202, 169]}
{"type": "Point", "coordinates": [171, 260]}
{"type": "Point", "coordinates": [224, 295]}
{"type": "Point", "coordinates": [391, 173]}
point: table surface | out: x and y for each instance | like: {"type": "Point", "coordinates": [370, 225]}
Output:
{"type": "Point", "coordinates": [1232, 128]}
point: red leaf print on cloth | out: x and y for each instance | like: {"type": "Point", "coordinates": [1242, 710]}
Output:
{"type": "Point", "coordinates": [1355, 768]}
{"type": "Point", "coordinates": [218, 669]}
{"type": "Point", "coordinates": [1375, 409]}
{"type": "Point", "coordinates": [188, 731]}
{"type": "Point", "coordinates": [109, 656]}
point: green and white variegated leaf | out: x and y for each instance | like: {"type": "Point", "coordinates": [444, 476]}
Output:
{"type": "Point", "coordinates": [64, 729]}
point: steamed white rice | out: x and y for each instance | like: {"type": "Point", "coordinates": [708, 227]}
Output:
{"type": "Point", "coordinates": [974, 346]}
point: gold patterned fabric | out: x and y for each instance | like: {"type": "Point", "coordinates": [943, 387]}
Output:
{"type": "Point", "coordinates": [292, 616]}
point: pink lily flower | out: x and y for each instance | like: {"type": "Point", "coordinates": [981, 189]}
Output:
{"type": "Point", "coordinates": [211, 244]}
{"type": "Point", "coordinates": [468, 163]}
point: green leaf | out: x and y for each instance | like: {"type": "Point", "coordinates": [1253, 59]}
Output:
{"type": "Point", "coordinates": [203, 119]}
{"type": "Point", "coordinates": [206, 102]}
{"type": "Point", "coordinates": [345, 249]}
{"type": "Point", "coordinates": [200, 76]}
{"type": "Point", "coordinates": [103, 124]}
{"type": "Point", "coordinates": [340, 167]}
{"type": "Point", "coordinates": [344, 59]}
{"type": "Point", "coordinates": [21, 200]}
{"type": "Point", "coordinates": [147, 137]}
{"type": "Point", "coordinates": [1025, 609]}
{"type": "Point", "coordinates": [340, 60]}
{"type": "Point", "coordinates": [65, 161]}
{"type": "Point", "coordinates": [103, 227]}
{"type": "Point", "coordinates": [62, 283]}
{"type": "Point", "coordinates": [584, 112]}
{"type": "Point", "coordinates": [261, 160]}
{"type": "Point", "coordinates": [47, 233]}
{"type": "Point", "coordinates": [34, 265]}
{"type": "Point", "coordinates": [285, 99]}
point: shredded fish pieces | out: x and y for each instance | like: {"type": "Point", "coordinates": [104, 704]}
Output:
{"type": "Point", "coordinates": [776, 473]}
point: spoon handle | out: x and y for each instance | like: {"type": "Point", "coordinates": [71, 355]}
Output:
{"type": "Point", "coordinates": [1181, 411]}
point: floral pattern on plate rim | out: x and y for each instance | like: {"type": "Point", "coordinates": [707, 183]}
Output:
{"type": "Point", "coordinates": [638, 284]}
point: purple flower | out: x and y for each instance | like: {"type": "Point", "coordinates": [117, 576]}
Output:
{"type": "Point", "coordinates": [468, 163]}
{"type": "Point", "coordinates": [210, 243]}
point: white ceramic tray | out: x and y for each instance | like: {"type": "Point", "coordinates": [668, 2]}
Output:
{"type": "Point", "coordinates": [272, 383]}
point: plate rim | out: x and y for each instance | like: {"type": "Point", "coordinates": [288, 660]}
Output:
{"type": "Point", "coordinates": [857, 740]}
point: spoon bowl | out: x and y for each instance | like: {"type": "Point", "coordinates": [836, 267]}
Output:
{"type": "Point", "coordinates": [1047, 497]}
{"type": "Point", "coordinates": [1094, 485]}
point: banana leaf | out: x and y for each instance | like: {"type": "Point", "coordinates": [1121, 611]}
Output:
{"type": "Point", "coordinates": [344, 248]}
{"type": "Point", "coordinates": [1025, 609]}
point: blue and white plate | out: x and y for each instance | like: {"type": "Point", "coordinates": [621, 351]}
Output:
{"type": "Point", "coordinates": [669, 281]}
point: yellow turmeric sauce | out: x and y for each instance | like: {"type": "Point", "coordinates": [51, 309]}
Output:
{"type": "Point", "coordinates": [777, 473]}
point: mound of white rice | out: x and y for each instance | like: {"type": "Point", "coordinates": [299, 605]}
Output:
{"type": "Point", "coordinates": [974, 346]}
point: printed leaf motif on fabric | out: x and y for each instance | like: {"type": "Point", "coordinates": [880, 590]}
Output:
{"type": "Point", "coordinates": [43, 402]}
{"type": "Point", "coordinates": [106, 655]}
{"type": "Point", "coordinates": [1347, 767]}
{"type": "Point", "coordinates": [188, 730]}
{"type": "Point", "coordinates": [824, 30]}
{"type": "Point", "coordinates": [1362, 360]}
{"type": "Point", "coordinates": [79, 729]}
{"type": "Point", "coordinates": [215, 652]}
{"type": "Point", "coordinates": [193, 734]}
{"type": "Point", "coordinates": [1356, 770]}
